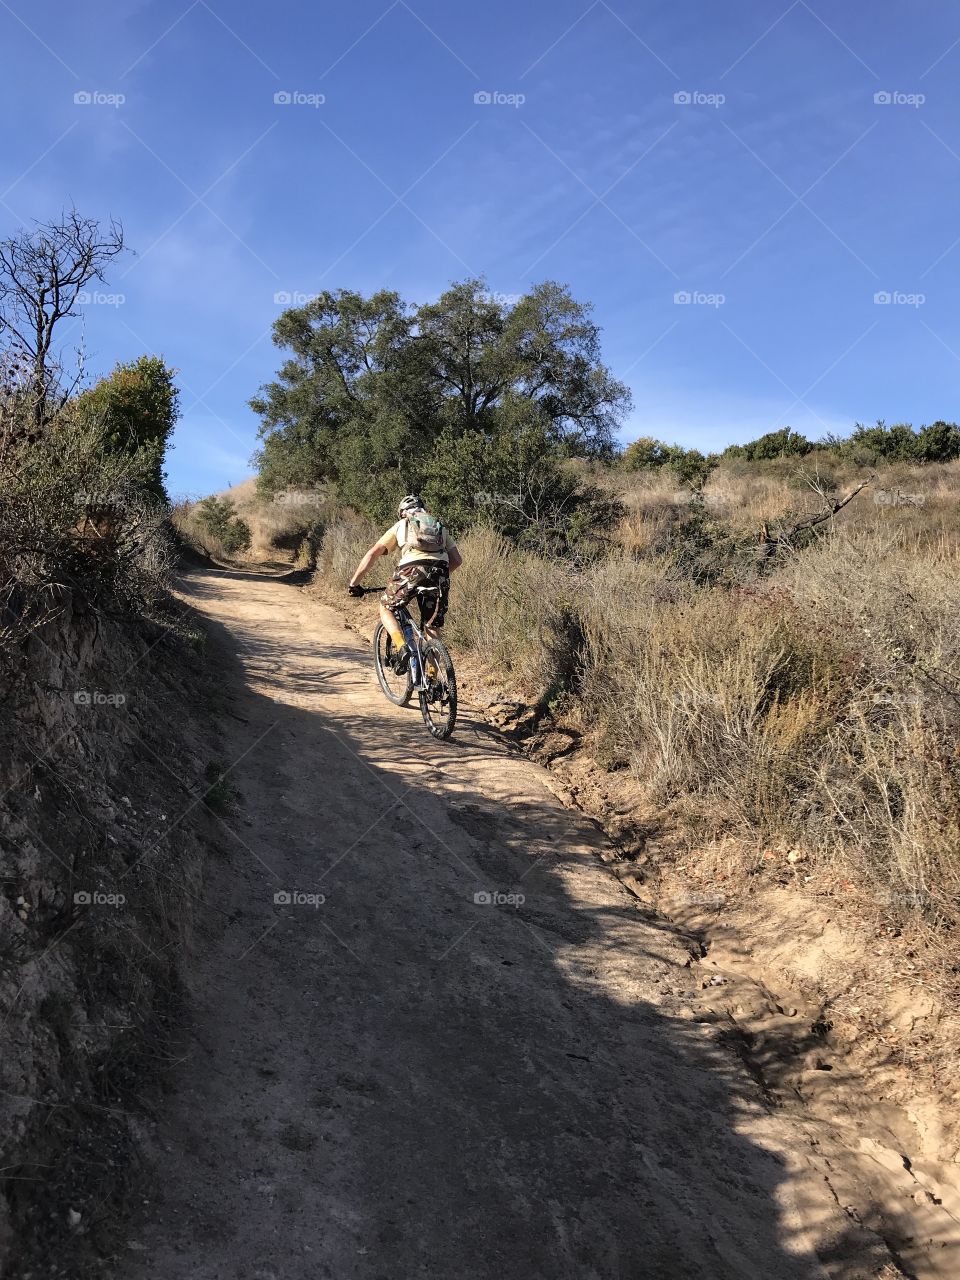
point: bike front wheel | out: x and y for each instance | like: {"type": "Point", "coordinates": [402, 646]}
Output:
{"type": "Point", "coordinates": [395, 687]}
{"type": "Point", "coordinates": [438, 699]}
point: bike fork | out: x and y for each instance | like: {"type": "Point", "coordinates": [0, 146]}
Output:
{"type": "Point", "coordinates": [414, 652]}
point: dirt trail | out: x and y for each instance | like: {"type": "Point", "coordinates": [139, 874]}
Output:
{"type": "Point", "coordinates": [403, 1081]}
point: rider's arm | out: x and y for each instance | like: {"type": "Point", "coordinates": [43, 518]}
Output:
{"type": "Point", "coordinates": [375, 551]}
{"type": "Point", "coordinates": [454, 556]}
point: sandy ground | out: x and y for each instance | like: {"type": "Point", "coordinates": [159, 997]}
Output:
{"type": "Point", "coordinates": [389, 1075]}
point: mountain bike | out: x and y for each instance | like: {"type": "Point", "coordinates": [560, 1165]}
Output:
{"type": "Point", "coordinates": [428, 671]}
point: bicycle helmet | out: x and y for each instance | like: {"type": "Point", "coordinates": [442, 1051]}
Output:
{"type": "Point", "coordinates": [410, 503]}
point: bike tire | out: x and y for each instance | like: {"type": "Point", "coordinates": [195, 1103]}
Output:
{"type": "Point", "coordinates": [391, 684]}
{"type": "Point", "coordinates": [439, 709]}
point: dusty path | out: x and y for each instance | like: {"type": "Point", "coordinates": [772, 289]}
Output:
{"type": "Point", "coordinates": [404, 1081]}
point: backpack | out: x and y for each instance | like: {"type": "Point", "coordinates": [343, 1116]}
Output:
{"type": "Point", "coordinates": [424, 532]}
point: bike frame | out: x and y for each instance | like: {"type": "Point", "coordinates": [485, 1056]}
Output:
{"type": "Point", "coordinates": [413, 634]}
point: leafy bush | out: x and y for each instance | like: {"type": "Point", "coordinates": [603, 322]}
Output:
{"type": "Point", "coordinates": [644, 454]}
{"type": "Point", "coordinates": [136, 409]}
{"type": "Point", "coordinates": [785, 443]}
{"type": "Point", "coordinates": [219, 518]}
{"type": "Point", "coordinates": [690, 467]}
{"type": "Point", "coordinates": [938, 442]}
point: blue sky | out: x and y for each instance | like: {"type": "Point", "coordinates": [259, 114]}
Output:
{"type": "Point", "coordinates": [777, 192]}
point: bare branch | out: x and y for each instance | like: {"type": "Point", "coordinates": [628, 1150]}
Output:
{"type": "Point", "coordinates": [42, 276]}
{"type": "Point", "coordinates": [782, 540]}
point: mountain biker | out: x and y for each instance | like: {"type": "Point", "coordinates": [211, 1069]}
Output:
{"type": "Point", "coordinates": [428, 555]}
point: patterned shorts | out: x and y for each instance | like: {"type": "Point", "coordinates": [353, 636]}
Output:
{"type": "Point", "coordinates": [406, 584]}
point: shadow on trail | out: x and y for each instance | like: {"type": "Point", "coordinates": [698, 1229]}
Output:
{"type": "Point", "coordinates": [432, 1083]}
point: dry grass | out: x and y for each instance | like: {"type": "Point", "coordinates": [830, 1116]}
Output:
{"type": "Point", "coordinates": [282, 529]}
{"type": "Point", "coordinates": [917, 505]}
{"type": "Point", "coordinates": [343, 546]}
{"type": "Point", "coordinates": [812, 708]}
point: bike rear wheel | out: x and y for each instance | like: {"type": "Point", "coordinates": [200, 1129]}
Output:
{"type": "Point", "coordinates": [395, 687]}
{"type": "Point", "coordinates": [438, 701]}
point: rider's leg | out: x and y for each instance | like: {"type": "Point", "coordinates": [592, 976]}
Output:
{"type": "Point", "coordinates": [393, 627]}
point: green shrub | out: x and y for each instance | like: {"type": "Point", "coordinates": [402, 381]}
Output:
{"type": "Point", "coordinates": [135, 409]}
{"type": "Point", "coordinates": [219, 518]}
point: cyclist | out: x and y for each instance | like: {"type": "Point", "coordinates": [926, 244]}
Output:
{"type": "Point", "coordinates": [428, 555]}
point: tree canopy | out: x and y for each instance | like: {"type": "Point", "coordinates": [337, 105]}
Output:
{"type": "Point", "coordinates": [471, 400]}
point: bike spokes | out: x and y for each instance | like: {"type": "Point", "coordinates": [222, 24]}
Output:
{"type": "Point", "coordinates": [397, 686]}
{"type": "Point", "coordinates": [438, 697]}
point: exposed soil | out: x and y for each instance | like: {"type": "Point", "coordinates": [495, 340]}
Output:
{"type": "Point", "coordinates": [435, 1035]}
{"type": "Point", "coordinates": [104, 745]}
